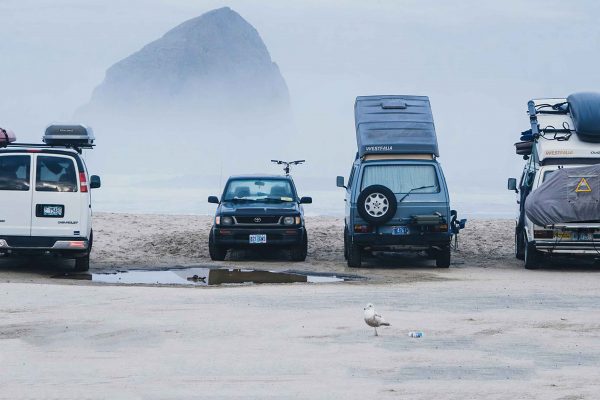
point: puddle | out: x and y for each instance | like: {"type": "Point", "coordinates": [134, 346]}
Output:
{"type": "Point", "coordinates": [206, 277]}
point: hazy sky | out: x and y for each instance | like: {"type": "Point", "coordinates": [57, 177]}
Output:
{"type": "Point", "coordinates": [478, 61]}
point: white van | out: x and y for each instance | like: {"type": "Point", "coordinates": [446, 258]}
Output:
{"type": "Point", "coordinates": [550, 145]}
{"type": "Point", "coordinates": [45, 199]}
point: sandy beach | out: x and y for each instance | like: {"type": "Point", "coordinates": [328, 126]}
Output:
{"type": "Point", "coordinates": [150, 240]}
{"type": "Point", "coordinates": [492, 329]}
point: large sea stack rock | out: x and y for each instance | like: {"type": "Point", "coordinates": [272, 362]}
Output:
{"type": "Point", "coordinates": [215, 66]}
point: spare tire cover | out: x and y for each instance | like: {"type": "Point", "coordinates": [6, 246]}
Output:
{"type": "Point", "coordinates": [376, 204]}
{"type": "Point", "coordinates": [568, 195]}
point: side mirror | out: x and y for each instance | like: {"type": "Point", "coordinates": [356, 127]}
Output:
{"type": "Point", "coordinates": [340, 182]}
{"type": "Point", "coordinates": [95, 182]}
{"type": "Point", "coordinates": [512, 184]}
{"type": "Point", "coordinates": [453, 213]}
{"type": "Point", "coordinates": [306, 200]}
{"type": "Point", "coordinates": [213, 199]}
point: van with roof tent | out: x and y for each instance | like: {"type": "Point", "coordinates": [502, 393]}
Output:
{"type": "Point", "coordinates": [396, 196]}
{"type": "Point", "coordinates": [558, 192]}
{"type": "Point", "coordinates": [45, 199]}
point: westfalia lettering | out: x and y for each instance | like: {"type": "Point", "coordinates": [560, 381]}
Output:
{"type": "Point", "coordinates": [378, 148]}
{"type": "Point", "coordinates": [558, 152]}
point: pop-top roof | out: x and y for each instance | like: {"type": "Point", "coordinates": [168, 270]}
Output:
{"type": "Point", "coordinates": [396, 124]}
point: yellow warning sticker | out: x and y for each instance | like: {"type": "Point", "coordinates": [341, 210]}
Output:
{"type": "Point", "coordinates": [583, 186]}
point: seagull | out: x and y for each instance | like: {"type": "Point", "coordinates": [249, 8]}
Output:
{"type": "Point", "coordinates": [373, 319]}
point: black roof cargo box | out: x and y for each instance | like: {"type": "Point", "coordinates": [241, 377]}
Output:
{"type": "Point", "coordinates": [69, 135]}
{"type": "Point", "coordinates": [585, 112]}
{"type": "Point", "coordinates": [396, 124]}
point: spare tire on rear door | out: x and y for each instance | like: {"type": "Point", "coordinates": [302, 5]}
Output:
{"type": "Point", "coordinates": [376, 204]}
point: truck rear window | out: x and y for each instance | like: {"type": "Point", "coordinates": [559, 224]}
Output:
{"type": "Point", "coordinates": [402, 178]}
{"type": "Point", "coordinates": [14, 173]}
{"type": "Point", "coordinates": [55, 174]}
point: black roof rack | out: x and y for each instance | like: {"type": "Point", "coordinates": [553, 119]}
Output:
{"type": "Point", "coordinates": [78, 148]}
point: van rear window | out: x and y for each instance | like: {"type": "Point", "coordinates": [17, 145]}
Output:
{"type": "Point", "coordinates": [14, 173]}
{"type": "Point", "coordinates": [55, 174]}
{"type": "Point", "coordinates": [402, 178]}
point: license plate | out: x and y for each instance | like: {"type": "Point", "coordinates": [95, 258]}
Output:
{"type": "Point", "coordinates": [258, 239]}
{"type": "Point", "coordinates": [400, 230]}
{"type": "Point", "coordinates": [562, 235]}
{"type": "Point", "coordinates": [53, 211]}
{"type": "Point", "coordinates": [584, 236]}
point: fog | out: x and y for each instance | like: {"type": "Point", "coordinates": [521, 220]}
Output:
{"type": "Point", "coordinates": [479, 64]}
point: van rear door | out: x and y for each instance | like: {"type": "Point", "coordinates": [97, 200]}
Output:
{"type": "Point", "coordinates": [57, 197]}
{"type": "Point", "coordinates": [15, 194]}
{"type": "Point", "coordinates": [419, 187]}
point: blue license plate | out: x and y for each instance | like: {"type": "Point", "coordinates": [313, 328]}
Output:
{"type": "Point", "coordinates": [258, 239]}
{"type": "Point", "coordinates": [400, 230]}
{"type": "Point", "coordinates": [583, 236]}
{"type": "Point", "coordinates": [50, 210]}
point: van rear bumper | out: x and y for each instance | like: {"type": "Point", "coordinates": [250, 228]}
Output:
{"type": "Point", "coordinates": [377, 241]}
{"type": "Point", "coordinates": [43, 244]}
{"type": "Point", "coordinates": [587, 247]}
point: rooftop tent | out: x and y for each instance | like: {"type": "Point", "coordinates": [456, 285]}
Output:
{"type": "Point", "coordinates": [394, 125]}
{"type": "Point", "coordinates": [585, 112]}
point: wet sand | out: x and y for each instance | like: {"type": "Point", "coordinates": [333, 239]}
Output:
{"type": "Point", "coordinates": [495, 335]}
{"type": "Point", "coordinates": [492, 329]}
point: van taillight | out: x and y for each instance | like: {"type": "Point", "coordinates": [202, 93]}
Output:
{"type": "Point", "coordinates": [439, 228]}
{"type": "Point", "coordinates": [363, 228]}
{"type": "Point", "coordinates": [83, 182]}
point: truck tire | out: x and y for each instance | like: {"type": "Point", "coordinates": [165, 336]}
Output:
{"type": "Point", "coordinates": [82, 264]}
{"type": "Point", "coordinates": [377, 204]}
{"type": "Point", "coordinates": [442, 258]}
{"type": "Point", "coordinates": [354, 255]}
{"type": "Point", "coordinates": [531, 256]}
{"type": "Point", "coordinates": [519, 245]}
{"type": "Point", "coordinates": [216, 252]}
{"type": "Point", "coordinates": [299, 252]}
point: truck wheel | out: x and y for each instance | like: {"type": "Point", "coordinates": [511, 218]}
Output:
{"type": "Point", "coordinates": [519, 245]}
{"type": "Point", "coordinates": [442, 258]}
{"type": "Point", "coordinates": [217, 253]}
{"type": "Point", "coordinates": [82, 264]}
{"type": "Point", "coordinates": [532, 257]}
{"type": "Point", "coordinates": [354, 255]}
{"type": "Point", "coordinates": [377, 204]}
{"type": "Point", "coordinates": [298, 252]}
{"type": "Point", "coordinates": [345, 243]}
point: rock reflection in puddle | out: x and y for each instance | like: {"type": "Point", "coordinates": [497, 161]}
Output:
{"type": "Point", "coordinates": [204, 277]}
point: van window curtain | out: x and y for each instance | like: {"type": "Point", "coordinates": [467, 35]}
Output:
{"type": "Point", "coordinates": [402, 178]}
